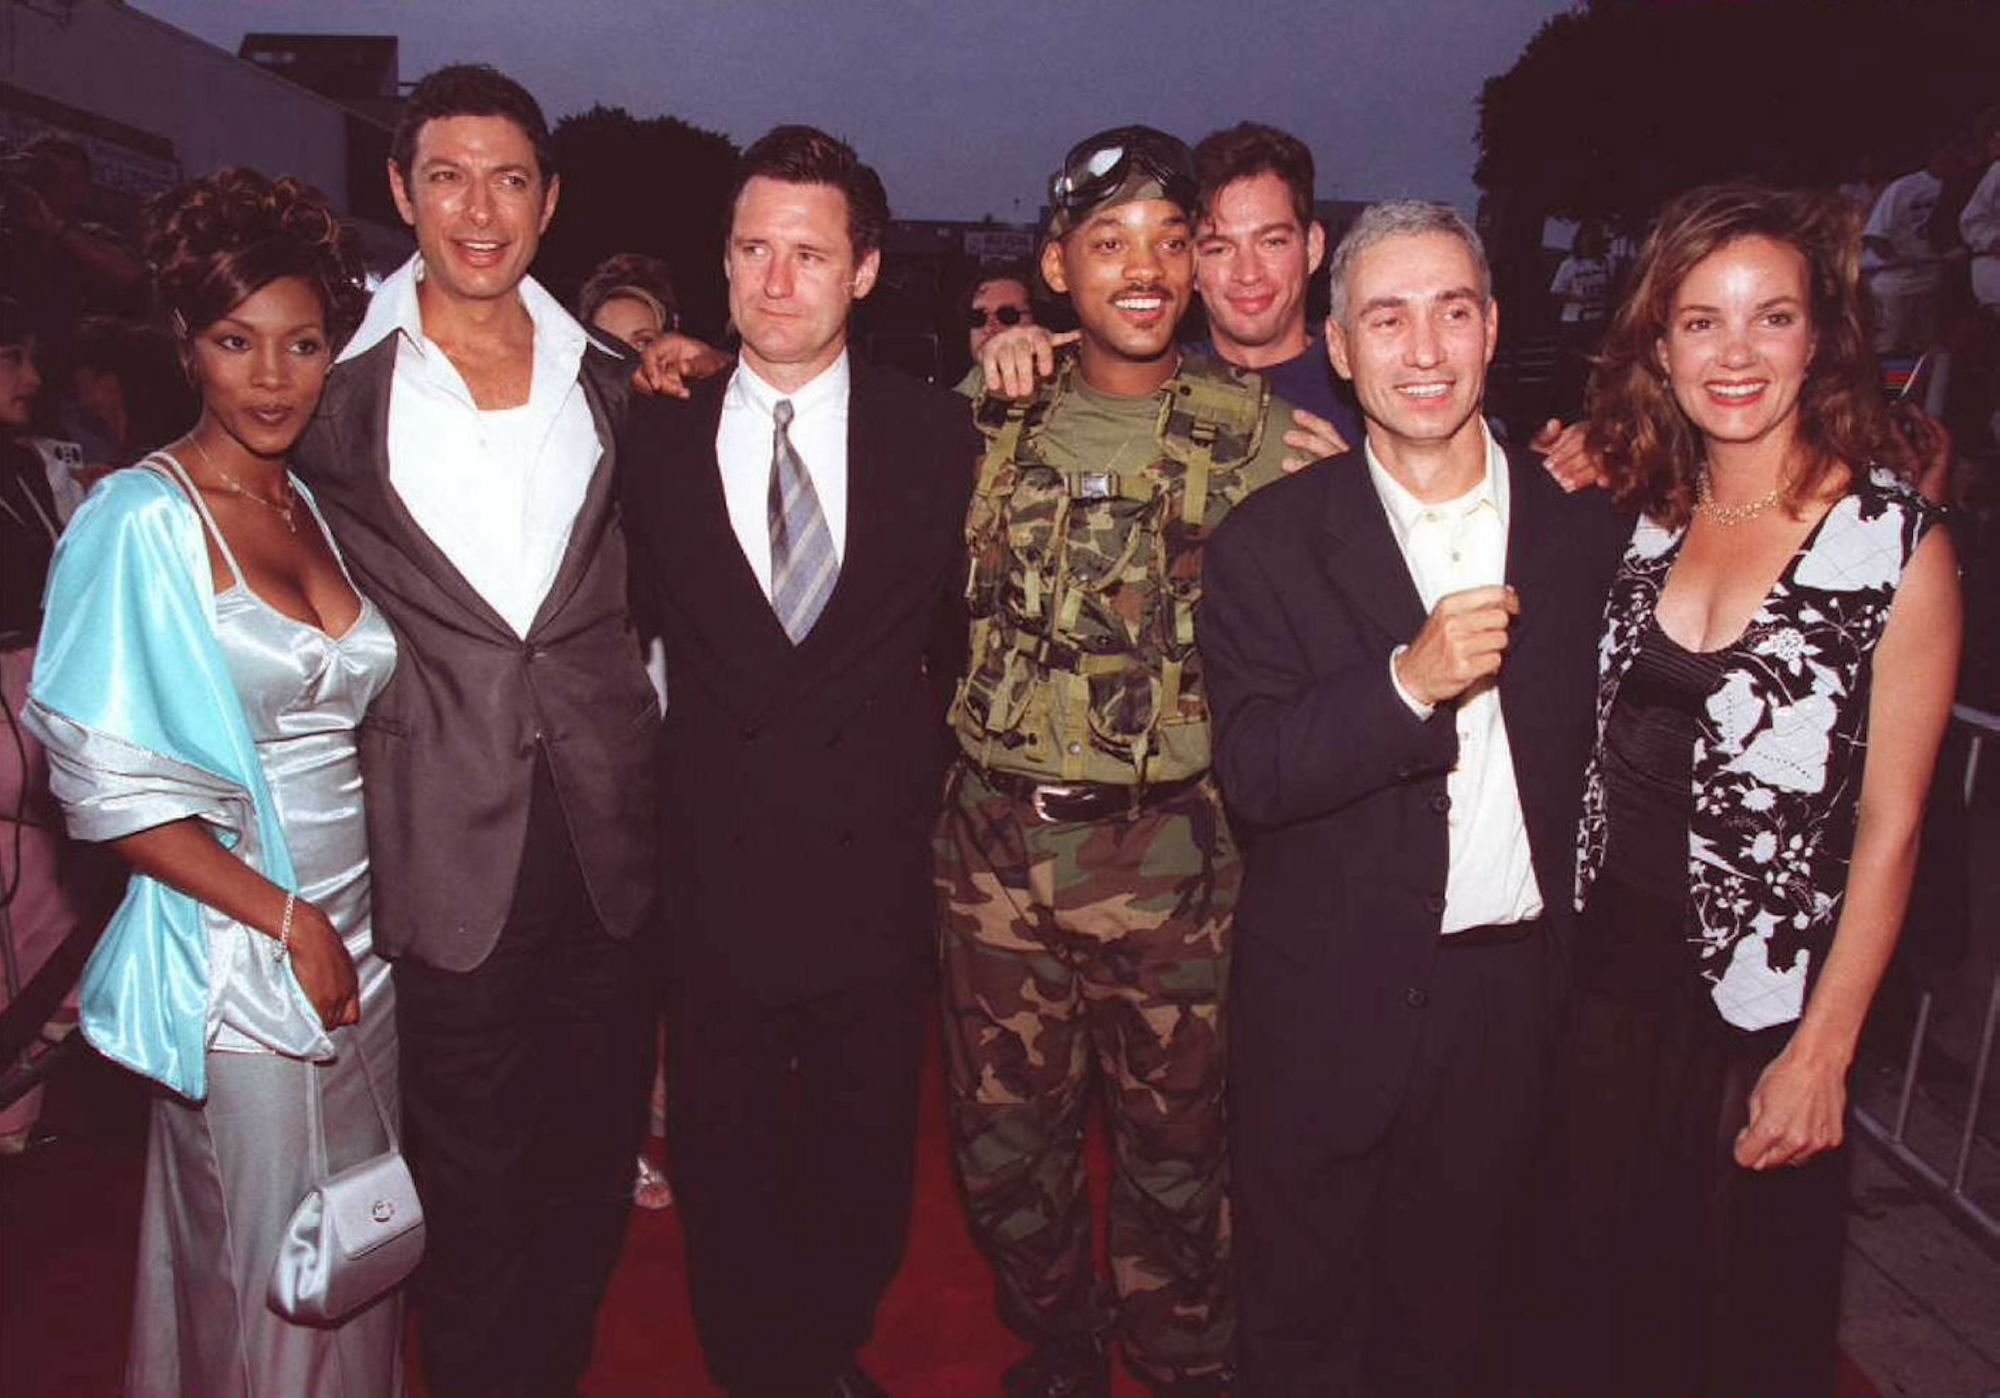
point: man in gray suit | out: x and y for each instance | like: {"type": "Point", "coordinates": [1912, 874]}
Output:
{"type": "Point", "coordinates": [464, 456]}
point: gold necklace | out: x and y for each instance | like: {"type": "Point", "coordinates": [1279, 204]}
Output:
{"type": "Point", "coordinates": [1725, 515]}
{"type": "Point", "coordinates": [284, 512]}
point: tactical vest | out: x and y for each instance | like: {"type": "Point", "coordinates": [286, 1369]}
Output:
{"type": "Point", "coordinates": [1083, 586]}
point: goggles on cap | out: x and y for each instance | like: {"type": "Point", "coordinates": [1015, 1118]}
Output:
{"type": "Point", "coordinates": [1098, 167]}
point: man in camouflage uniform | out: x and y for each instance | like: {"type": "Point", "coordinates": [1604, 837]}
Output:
{"type": "Point", "coordinates": [1086, 872]}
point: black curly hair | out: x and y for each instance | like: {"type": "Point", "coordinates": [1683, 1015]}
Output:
{"type": "Point", "coordinates": [213, 243]}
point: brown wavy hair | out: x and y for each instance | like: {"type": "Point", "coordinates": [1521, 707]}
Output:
{"type": "Point", "coordinates": [212, 244]}
{"type": "Point", "coordinates": [1651, 450]}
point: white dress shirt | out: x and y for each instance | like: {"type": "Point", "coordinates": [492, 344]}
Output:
{"type": "Point", "coordinates": [1449, 547]}
{"type": "Point", "coordinates": [497, 491]}
{"type": "Point", "coordinates": [1979, 225]}
{"type": "Point", "coordinates": [743, 442]}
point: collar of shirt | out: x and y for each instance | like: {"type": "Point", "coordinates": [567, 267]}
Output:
{"type": "Point", "coordinates": [395, 307]}
{"type": "Point", "coordinates": [826, 389]}
{"type": "Point", "coordinates": [1406, 511]}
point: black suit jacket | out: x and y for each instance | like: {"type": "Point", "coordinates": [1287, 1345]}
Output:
{"type": "Point", "coordinates": [1306, 595]}
{"type": "Point", "coordinates": [448, 749]}
{"type": "Point", "coordinates": [800, 783]}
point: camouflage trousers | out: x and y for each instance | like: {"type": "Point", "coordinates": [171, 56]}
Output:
{"type": "Point", "coordinates": [1079, 956]}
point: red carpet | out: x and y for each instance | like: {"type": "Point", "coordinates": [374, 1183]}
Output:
{"type": "Point", "coordinates": [69, 1212]}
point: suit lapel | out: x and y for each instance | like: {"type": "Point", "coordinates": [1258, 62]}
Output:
{"type": "Point", "coordinates": [712, 583]}
{"type": "Point", "coordinates": [587, 531]}
{"type": "Point", "coordinates": [1534, 555]}
{"type": "Point", "coordinates": [871, 491]}
{"type": "Point", "coordinates": [359, 468]}
{"type": "Point", "coordinates": [711, 577]}
{"type": "Point", "coordinates": [1361, 558]}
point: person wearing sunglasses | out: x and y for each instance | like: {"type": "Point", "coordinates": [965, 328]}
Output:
{"type": "Point", "coordinates": [1086, 871]}
{"type": "Point", "coordinates": [999, 301]}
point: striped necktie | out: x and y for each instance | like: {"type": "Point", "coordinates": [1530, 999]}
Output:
{"type": "Point", "coordinates": [803, 565]}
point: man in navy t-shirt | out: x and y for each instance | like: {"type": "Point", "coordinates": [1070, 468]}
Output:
{"type": "Point", "coordinates": [1257, 246]}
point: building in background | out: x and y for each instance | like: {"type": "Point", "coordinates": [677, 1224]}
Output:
{"type": "Point", "coordinates": [155, 106]}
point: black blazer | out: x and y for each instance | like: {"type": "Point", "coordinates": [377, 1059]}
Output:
{"type": "Point", "coordinates": [800, 784]}
{"type": "Point", "coordinates": [448, 749]}
{"type": "Point", "coordinates": [1343, 787]}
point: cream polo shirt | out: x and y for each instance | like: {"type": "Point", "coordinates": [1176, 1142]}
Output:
{"type": "Point", "coordinates": [1449, 547]}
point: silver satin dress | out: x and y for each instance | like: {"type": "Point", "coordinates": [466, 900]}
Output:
{"type": "Point", "coordinates": [222, 1177]}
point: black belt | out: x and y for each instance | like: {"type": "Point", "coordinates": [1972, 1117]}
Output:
{"type": "Point", "coordinates": [1495, 934]}
{"type": "Point", "coordinates": [1056, 803]}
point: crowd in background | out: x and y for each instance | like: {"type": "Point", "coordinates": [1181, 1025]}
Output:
{"type": "Point", "coordinates": [108, 389]}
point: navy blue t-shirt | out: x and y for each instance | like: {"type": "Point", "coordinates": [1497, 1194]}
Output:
{"type": "Point", "coordinates": [1308, 381]}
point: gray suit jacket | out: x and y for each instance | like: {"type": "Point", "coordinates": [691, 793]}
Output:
{"type": "Point", "coordinates": [448, 750]}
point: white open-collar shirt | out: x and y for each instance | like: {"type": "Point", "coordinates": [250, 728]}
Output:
{"type": "Point", "coordinates": [497, 491]}
{"type": "Point", "coordinates": [1449, 547]}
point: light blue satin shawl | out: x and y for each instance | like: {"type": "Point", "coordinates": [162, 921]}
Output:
{"type": "Point", "coordinates": [135, 703]}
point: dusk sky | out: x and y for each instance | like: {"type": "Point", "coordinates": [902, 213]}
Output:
{"type": "Point", "coordinates": [966, 108]}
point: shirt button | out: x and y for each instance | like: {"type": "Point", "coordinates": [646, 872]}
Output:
{"type": "Point", "coordinates": [1075, 748]}
{"type": "Point", "coordinates": [1440, 802]}
{"type": "Point", "coordinates": [1415, 998]}
{"type": "Point", "coordinates": [1434, 903]}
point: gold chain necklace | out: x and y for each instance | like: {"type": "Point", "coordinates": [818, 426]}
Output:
{"type": "Point", "coordinates": [1725, 515]}
{"type": "Point", "coordinates": [285, 512]}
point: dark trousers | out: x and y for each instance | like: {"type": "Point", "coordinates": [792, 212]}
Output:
{"type": "Point", "coordinates": [524, 1090]}
{"type": "Point", "coordinates": [793, 1137]}
{"type": "Point", "coordinates": [1377, 1272]}
{"type": "Point", "coordinates": [1675, 1270]}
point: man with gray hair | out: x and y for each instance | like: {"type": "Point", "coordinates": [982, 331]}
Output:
{"type": "Point", "coordinates": [1401, 645]}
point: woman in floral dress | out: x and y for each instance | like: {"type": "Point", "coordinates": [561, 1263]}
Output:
{"type": "Point", "coordinates": [1776, 674]}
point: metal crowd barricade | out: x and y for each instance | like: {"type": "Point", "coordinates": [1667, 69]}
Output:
{"type": "Point", "coordinates": [1946, 1181]}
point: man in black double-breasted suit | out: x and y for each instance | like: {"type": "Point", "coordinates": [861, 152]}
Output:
{"type": "Point", "coordinates": [796, 531]}
{"type": "Point", "coordinates": [1400, 940]}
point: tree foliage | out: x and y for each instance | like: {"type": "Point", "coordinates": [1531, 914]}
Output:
{"type": "Point", "coordinates": [1618, 104]}
{"type": "Point", "coordinates": [642, 184]}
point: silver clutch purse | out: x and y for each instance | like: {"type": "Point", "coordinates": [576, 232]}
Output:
{"type": "Point", "coordinates": [356, 1234]}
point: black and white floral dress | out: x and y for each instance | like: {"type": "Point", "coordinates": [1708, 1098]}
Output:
{"type": "Point", "coordinates": [1778, 751]}
{"type": "Point", "coordinates": [1719, 817]}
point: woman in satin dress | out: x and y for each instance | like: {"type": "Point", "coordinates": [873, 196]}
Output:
{"type": "Point", "coordinates": [206, 661]}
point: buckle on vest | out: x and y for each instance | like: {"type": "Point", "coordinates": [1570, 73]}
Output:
{"type": "Point", "coordinates": [1093, 485]}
